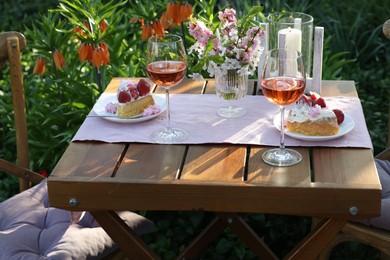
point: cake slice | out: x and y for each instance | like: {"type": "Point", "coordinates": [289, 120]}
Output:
{"type": "Point", "coordinates": [133, 98]}
{"type": "Point", "coordinates": [314, 121]}
{"type": "Point", "coordinates": [312, 117]}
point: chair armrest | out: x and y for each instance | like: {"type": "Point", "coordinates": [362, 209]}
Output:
{"type": "Point", "coordinates": [376, 237]}
{"type": "Point", "coordinates": [384, 155]}
{"type": "Point", "coordinates": [20, 172]}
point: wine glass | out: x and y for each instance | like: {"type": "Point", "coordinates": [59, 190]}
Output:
{"type": "Point", "coordinates": [283, 83]}
{"type": "Point", "coordinates": [231, 86]}
{"type": "Point", "coordinates": [166, 66]}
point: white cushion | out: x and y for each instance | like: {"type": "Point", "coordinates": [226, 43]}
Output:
{"type": "Point", "coordinates": [30, 229]}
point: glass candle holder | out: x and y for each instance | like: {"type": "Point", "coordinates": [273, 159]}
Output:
{"type": "Point", "coordinates": [293, 31]}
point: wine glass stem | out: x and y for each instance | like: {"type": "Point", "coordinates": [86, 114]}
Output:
{"type": "Point", "coordinates": [282, 108]}
{"type": "Point", "coordinates": [168, 109]}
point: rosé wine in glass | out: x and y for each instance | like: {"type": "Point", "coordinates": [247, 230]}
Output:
{"type": "Point", "coordinates": [283, 90]}
{"type": "Point", "coordinates": [166, 73]}
{"type": "Point", "coordinates": [166, 66]}
{"type": "Point", "coordinates": [283, 83]}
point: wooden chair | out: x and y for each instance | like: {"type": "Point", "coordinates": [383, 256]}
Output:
{"type": "Point", "coordinates": [375, 237]}
{"type": "Point", "coordinates": [11, 44]}
{"type": "Point", "coordinates": [29, 227]}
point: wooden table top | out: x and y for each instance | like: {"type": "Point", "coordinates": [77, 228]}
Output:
{"type": "Point", "coordinates": [329, 182]}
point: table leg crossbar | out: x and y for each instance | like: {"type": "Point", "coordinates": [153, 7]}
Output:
{"type": "Point", "coordinates": [238, 226]}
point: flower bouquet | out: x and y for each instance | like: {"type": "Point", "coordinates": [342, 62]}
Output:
{"type": "Point", "coordinates": [229, 44]}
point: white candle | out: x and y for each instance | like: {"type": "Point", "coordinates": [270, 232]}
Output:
{"type": "Point", "coordinates": [293, 39]}
{"type": "Point", "coordinates": [290, 39]}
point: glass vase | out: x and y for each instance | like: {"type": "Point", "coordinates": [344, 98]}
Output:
{"type": "Point", "coordinates": [231, 86]}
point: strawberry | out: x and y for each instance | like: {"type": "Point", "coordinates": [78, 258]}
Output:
{"type": "Point", "coordinates": [131, 88]}
{"type": "Point", "coordinates": [305, 99]}
{"type": "Point", "coordinates": [143, 87]}
{"type": "Point", "coordinates": [124, 97]}
{"type": "Point", "coordinates": [314, 96]}
{"type": "Point", "coordinates": [134, 93]}
{"type": "Point", "coordinates": [340, 115]}
{"type": "Point", "coordinates": [320, 101]}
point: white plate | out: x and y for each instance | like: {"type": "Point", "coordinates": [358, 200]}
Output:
{"type": "Point", "coordinates": [100, 110]}
{"type": "Point", "coordinates": [344, 128]}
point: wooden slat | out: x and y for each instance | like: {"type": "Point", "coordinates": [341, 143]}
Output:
{"type": "Point", "coordinates": [187, 86]}
{"type": "Point", "coordinates": [90, 159]}
{"type": "Point", "coordinates": [260, 172]}
{"type": "Point", "coordinates": [214, 163]}
{"type": "Point", "coordinates": [342, 166]}
{"type": "Point", "coordinates": [151, 162]}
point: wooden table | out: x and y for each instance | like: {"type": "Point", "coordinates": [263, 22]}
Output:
{"type": "Point", "coordinates": [332, 184]}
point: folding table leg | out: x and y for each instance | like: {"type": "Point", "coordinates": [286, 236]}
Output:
{"type": "Point", "coordinates": [238, 226]}
{"type": "Point", "coordinates": [126, 239]}
{"type": "Point", "coordinates": [208, 235]}
{"type": "Point", "coordinates": [247, 235]}
{"type": "Point", "coordinates": [317, 239]}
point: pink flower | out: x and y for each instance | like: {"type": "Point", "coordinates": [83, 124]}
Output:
{"type": "Point", "coordinates": [111, 108]}
{"type": "Point", "coordinates": [315, 111]}
{"type": "Point", "coordinates": [200, 32]}
{"type": "Point", "coordinates": [228, 16]}
{"type": "Point", "coordinates": [152, 110]}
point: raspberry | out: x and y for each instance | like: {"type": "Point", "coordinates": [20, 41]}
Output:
{"type": "Point", "coordinates": [339, 114]}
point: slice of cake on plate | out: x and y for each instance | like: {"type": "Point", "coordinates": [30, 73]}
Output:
{"type": "Point", "coordinates": [133, 98]}
{"type": "Point", "coordinates": [312, 117]}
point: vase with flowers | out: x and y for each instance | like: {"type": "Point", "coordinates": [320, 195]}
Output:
{"type": "Point", "coordinates": [228, 49]}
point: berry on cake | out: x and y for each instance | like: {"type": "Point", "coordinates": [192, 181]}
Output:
{"type": "Point", "coordinates": [133, 99]}
{"type": "Point", "coordinates": [311, 116]}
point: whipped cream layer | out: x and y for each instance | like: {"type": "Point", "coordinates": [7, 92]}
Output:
{"type": "Point", "coordinates": [303, 113]}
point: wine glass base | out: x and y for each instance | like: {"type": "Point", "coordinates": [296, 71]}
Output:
{"type": "Point", "coordinates": [229, 112]}
{"type": "Point", "coordinates": [169, 136]}
{"type": "Point", "coordinates": [279, 157]}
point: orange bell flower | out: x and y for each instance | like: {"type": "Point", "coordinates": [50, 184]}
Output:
{"type": "Point", "coordinates": [99, 58]}
{"type": "Point", "coordinates": [166, 23]}
{"type": "Point", "coordinates": [106, 52]}
{"type": "Point", "coordinates": [176, 15]}
{"type": "Point", "coordinates": [185, 11]}
{"type": "Point", "coordinates": [59, 59]}
{"type": "Point", "coordinates": [40, 66]}
{"type": "Point", "coordinates": [103, 26]}
{"type": "Point", "coordinates": [147, 31]}
{"type": "Point", "coordinates": [158, 27]}
{"type": "Point", "coordinates": [85, 52]}
{"type": "Point", "coordinates": [81, 31]}
{"type": "Point", "coordinates": [171, 10]}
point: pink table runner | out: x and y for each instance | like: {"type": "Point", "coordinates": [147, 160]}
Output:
{"type": "Point", "coordinates": [197, 115]}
